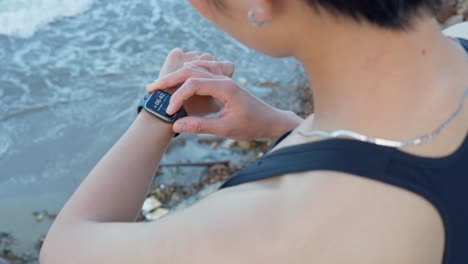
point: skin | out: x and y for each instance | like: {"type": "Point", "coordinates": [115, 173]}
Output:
{"type": "Point", "coordinates": [378, 82]}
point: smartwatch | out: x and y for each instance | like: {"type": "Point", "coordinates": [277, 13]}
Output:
{"type": "Point", "coordinates": [156, 104]}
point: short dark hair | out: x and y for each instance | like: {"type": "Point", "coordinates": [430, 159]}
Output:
{"type": "Point", "coordinates": [391, 14]}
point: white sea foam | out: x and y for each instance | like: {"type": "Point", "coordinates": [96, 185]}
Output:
{"type": "Point", "coordinates": [4, 144]}
{"type": "Point", "coordinates": [22, 18]}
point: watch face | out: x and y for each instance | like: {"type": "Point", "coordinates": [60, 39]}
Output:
{"type": "Point", "coordinates": [158, 103]}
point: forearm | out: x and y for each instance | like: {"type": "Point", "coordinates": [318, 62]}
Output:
{"type": "Point", "coordinates": [116, 187]}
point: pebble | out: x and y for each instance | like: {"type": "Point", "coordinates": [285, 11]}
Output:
{"type": "Point", "coordinates": [246, 144]}
{"type": "Point", "coordinates": [150, 204]}
{"type": "Point", "coordinates": [157, 214]}
{"type": "Point", "coordinates": [229, 143]}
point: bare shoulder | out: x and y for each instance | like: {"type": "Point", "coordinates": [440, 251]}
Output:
{"type": "Point", "coordinates": [320, 217]}
{"type": "Point", "coordinates": [458, 31]}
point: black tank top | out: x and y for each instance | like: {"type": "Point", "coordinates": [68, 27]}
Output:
{"type": "Point", "coordinates": [442, 181]}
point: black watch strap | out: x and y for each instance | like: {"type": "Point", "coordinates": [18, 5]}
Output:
{"type": "Point", "coordinates": [142, 103]}
{"type": "Point", "coordinates": [180, 114]}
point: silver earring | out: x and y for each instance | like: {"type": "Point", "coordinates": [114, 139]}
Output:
{"type": "Point", "coordinates": [253, 21]}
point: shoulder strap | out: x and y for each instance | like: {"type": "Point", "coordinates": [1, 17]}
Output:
{"type": "Point", "coordinates": [349, 156]}
{"type": "Point", "coordinates": [341, 155]}
{"type": "Point", "coordinates": [464, 43]}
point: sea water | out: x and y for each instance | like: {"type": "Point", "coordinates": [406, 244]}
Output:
{"type": "Point", "coordinates": [71, 74]}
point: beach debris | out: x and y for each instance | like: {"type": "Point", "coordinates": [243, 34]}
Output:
{"type": "Point", "coordinates": [41, 215]}
{"type": "Point", "coordinates": [6, 253]}
{"type": "Point", "coordinates": [270, 84]}
{"type": "Point", "coordinates": [213, 141]}
{"type": "Point", "coordinates": [39, 242]}
{"type": "Point", "coordinates": [176, 198]}
{"type": "Point", "coordinates": [253, 145]}
{"type": "Point", "coordinates": [247, 145]}
{"type": "Point", "coordinates": [156, 214]}
{"type": "Point", "coordinates": [194, 164]}
{"type": "Point", "coordinates": [6, 240]}
{"type": "Point", "coordinates": [50, 215]}
{"type": "Point", "coordinates": [151, 203]}
{"type": "Point", "coordinates": [229, 143]}
{"type": "Point", "coordinates": [242, 80]}
{"type": "Point", "coordinates": [218, 173]}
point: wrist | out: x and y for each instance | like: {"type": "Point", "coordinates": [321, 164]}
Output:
{"type": "Point", "coordinates": [154, 124]}
{"type": "Point", "coordinates": [283, 121]}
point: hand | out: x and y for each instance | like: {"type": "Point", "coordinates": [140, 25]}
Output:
{"type": "Point", "coordinates": [177, 59]}
{"type": "Point", "coordinates": [243, 116]}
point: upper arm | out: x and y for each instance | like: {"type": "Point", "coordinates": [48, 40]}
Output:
{"type": "Point", "coordinates": [329, 218]}
{"type": "Point", "coordinates": [458, 31]}
{"type": "Point", "coordinates": [221, 229]}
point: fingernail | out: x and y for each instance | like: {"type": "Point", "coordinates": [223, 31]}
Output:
{"type": "Point", "coordinates": [150, 86]}
{"type": "Point", "coordinates": [169, 110]}
{"type": "Point", "coordinates": [179, 128]}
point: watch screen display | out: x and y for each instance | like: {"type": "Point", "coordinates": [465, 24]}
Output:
{"type": "Point", "coordinates": [158, 103]}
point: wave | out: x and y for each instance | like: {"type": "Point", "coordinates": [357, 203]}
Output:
{"type": "Point", "coordinates": [22, 18]}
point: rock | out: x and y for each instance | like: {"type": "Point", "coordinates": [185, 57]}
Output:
{"type": "Point", "coordinates": [453, 12]}
{"type": "Point", "coordinates": [453, 20]}
{"type": "Point", "coordinates": [449, 9]}
{"type": "Point", "coordinates": [157, 214]}
{"type": "Point", "coordinates": [151, 203]}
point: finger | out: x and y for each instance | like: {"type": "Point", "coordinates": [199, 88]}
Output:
{"type": "Point", "coordinates": [175, 53]}
{"type": "Point", "coordinates": [198, 55]}
{"type": "Point", "coordinates": [171, 60]}
{"type": "Point", "coordinates": [176, 50]}
{"type": "Point", "coordinates": [192, 55]}
{"type": "Point", "coordinates": [179, 77]}
{"type": "Point", "coordinates": [199, 125]}
{"type": "Point", "coordinates": [224, 68]}
{"type": "Point", "coordinates": [220, 88]}
{"type": "Point", "coordinates": [207, 57]}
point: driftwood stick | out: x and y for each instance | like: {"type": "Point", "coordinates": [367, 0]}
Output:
{"type": "Point", "coordinates": [197, 164]}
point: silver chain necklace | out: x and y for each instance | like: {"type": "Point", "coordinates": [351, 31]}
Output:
{"type": "Point", "coordinates": [386, 142]}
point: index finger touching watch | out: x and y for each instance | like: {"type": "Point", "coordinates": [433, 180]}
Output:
{"type": "Point", "coordinates": [156, 103]}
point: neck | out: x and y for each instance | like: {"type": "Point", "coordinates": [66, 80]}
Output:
{"type": "Point", "coordinates": [366, 79]}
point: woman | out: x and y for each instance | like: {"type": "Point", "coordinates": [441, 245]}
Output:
{"type": "Point", "coordinates": [388, 189]}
